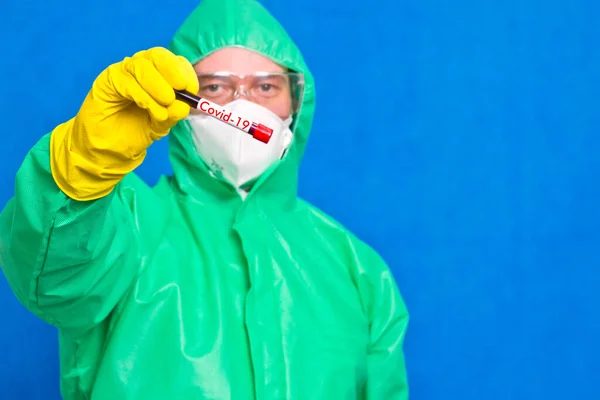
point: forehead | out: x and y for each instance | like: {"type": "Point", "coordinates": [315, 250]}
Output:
{"type": "Point", "coordinates": [237, 60]}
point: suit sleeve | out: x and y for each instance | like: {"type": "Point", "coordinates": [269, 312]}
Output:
{"type": "Point", "coordinates": [388, 321]}
{"type": "Point", "coordinates": [68, 262]}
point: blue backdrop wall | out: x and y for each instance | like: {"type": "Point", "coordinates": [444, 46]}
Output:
{"type": "Point", "coordinates": [460, 139]}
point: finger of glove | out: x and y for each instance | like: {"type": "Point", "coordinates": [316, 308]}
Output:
{"type": "Point", "coordinates": [176, 70]}
{"type": "Point", "coordinates": [177, 111]}
{"type": "Point", "coordinates": [132, 90]}
{"type": "Point", "coordinates": [150, 79]}
{"type": "Point", "coordinates": [193, 85]}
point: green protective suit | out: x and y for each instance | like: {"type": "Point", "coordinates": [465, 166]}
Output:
{"type": "Point", "coordinates": [184, 291]}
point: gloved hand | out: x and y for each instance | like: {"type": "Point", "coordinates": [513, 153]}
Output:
{"type": "Point", "coordinates": [131, 104]}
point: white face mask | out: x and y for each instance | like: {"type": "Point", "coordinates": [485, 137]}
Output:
{"type": "Point", "coordinates": [233, 154]}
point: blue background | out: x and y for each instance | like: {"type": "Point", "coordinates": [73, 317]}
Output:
{"type": "Point", "coordinates": [460, 139]}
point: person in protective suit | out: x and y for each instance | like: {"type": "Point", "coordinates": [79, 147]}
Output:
{"type": "Point", "coordinates": [218, 282]}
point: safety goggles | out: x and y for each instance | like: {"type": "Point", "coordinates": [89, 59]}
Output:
{"type": "Point", "coordinates": [272, 90]}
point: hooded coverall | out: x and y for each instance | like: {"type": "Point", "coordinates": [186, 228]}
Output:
{"type": "Point", "coordinates": [184, 290]}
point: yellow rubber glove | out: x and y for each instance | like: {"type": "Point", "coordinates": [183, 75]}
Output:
{"type": "Point", "coordinates": [131, 104]}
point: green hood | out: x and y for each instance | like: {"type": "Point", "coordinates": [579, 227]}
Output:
{"type": "Point", "coordinates": [216, 24]}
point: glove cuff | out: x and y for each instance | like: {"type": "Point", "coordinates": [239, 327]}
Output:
{"type": "Point", "coordinates": [78, 176]}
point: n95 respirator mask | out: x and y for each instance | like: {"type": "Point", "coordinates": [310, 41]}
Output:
{"type": "Point", "coordinates": [232, 154]}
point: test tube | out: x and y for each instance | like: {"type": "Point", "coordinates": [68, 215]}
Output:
{"type": "Point", "coordinates": [258, 131]}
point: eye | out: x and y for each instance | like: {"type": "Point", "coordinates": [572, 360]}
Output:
{"type": "Point", "coordinates": [213, 88]}
{"type": "Point", "coordinates": [266, 89]}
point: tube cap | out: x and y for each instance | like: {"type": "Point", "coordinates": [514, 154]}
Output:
{"type": "Point", "coordinates": [262, 133]}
